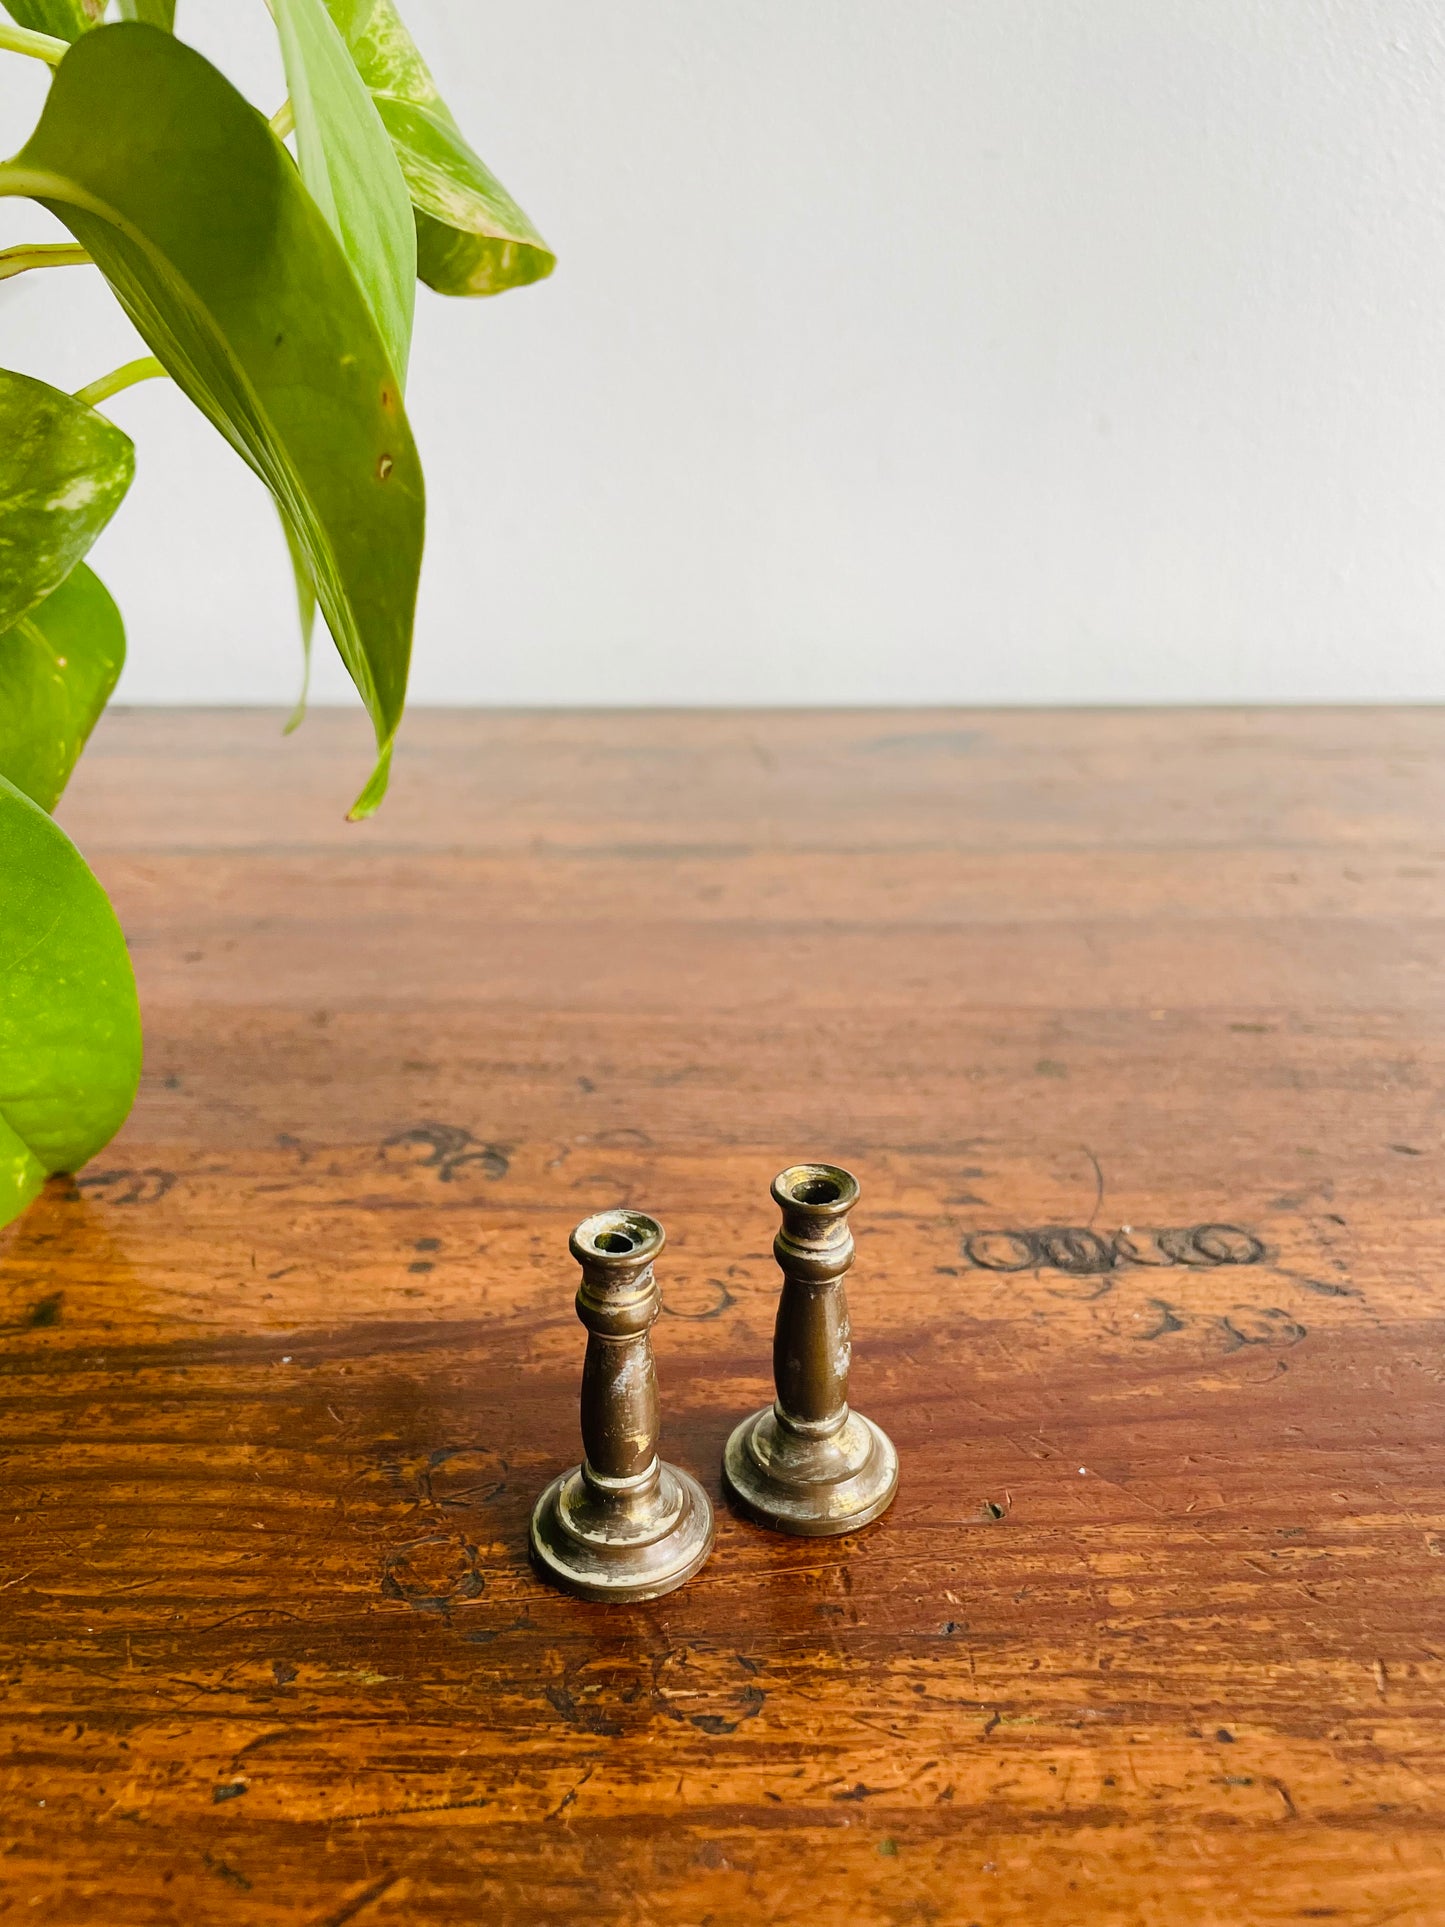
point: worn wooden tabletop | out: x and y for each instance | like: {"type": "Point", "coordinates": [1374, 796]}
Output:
{"type": "Point", "coordinates": [1130, 1025]}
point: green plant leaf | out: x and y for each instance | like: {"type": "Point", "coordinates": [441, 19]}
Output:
{"type": "Point", "coordinates": [70, 1045]}
{"type": "Point", "coordinates": [58, 666]}
{"type": "Point", "coordinates": [306, 616]}
{"type": "Point", "coordinates": [66, 19]}
{"type": "Point", "coordinates": [197, 217]}
{"type": "Point", "coordinates": [471, 236]}
{"type": "Point", "coordinates": [63, 471]}
{"type": "Point", "coordinates": [348, 164]}
{"type": "Point", "coordinates": [155, 13]}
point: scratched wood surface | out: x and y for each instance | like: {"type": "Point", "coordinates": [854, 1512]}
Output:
{"type": "Point", "coordinates": [1130, 1025]}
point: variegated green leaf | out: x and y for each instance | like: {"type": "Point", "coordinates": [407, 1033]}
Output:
{"type": "Point", "coordinates": [66, 19]}
{"type": "Point", "coordinates": [197, 217]}
{"type": "Point", "coordinates": [348, 164]}
{"type": "Point", "coordinates": [70, 1047]}
{"type": "Point", "coordinates": [58, 666]}
{"type": "Point", "coordinates": [63, 471]}
{"type": "Point", "coordinates": [471, 236]}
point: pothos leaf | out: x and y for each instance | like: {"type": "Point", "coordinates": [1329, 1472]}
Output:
{"type": "Point", "coordinates": [348, 164]}
{"type": "Point", "coordinates": [66, 19]}
{"type": "Point", "coordinates": [63, 471]}
{"type": "Point", "coordinates": [58, 666]}
{"type": "Point", "coordinates": [70, 1044]}
{"type": "Point", "coordinates": [472, 238]}
{"type": "Point", "coordinates": [306, 616]}
{"type": "Point", "coordinates": [198, 219]}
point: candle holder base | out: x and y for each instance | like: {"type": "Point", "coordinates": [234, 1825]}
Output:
{"type": "Point", "coordinates": [600, 1540]}
{"type": "Point", "coordinates": [814, 1486]}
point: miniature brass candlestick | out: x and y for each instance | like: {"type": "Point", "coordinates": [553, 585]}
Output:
{"type": "Point", "coordinates": [622, 1525]}
{"type": "Point", "coordinates": [807, 1464]}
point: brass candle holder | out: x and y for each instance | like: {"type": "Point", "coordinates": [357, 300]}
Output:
{"type": "Point", "coordinates": [807, 1464]}
{"type": "Point", "coordinates": [622, 1525]}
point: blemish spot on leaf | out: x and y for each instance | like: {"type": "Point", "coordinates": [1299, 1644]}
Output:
{"type": "Point", "coordinates": [384, 467]}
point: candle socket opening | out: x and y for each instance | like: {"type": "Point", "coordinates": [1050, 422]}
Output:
{"type": "Point", "coordinates": [817, 1191]}
{"type": "Point", "coordinates": [826, 1191]}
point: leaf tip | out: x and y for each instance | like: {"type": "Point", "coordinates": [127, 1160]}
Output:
{"type": "Point", "coordinates": [370, 799]}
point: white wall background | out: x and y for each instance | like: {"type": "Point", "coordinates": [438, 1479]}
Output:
{"type": "Point", "coordinates": [899, 351]}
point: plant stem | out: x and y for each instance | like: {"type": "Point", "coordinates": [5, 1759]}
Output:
{"type": "Point", "coordinates": [284, 119]}
{"type": "Point", "coordinates": [125, 376]}
{"type": "Point", "coordinates": [40, 254]}
{"type": "Point", "coordinates": [40, 46]}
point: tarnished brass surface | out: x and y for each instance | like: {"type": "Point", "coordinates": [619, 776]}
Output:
{"type": "Point", "coordinates": [622, 1525]}
{"type": "Point", "coordinates": [807, 1464]}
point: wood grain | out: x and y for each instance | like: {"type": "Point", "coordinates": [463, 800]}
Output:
{"type": "Point", "coordinates": [1155, 1632]}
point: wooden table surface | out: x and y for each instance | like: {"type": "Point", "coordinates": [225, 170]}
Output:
{"type": "Point", "coordinates": [1130, 1025]}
